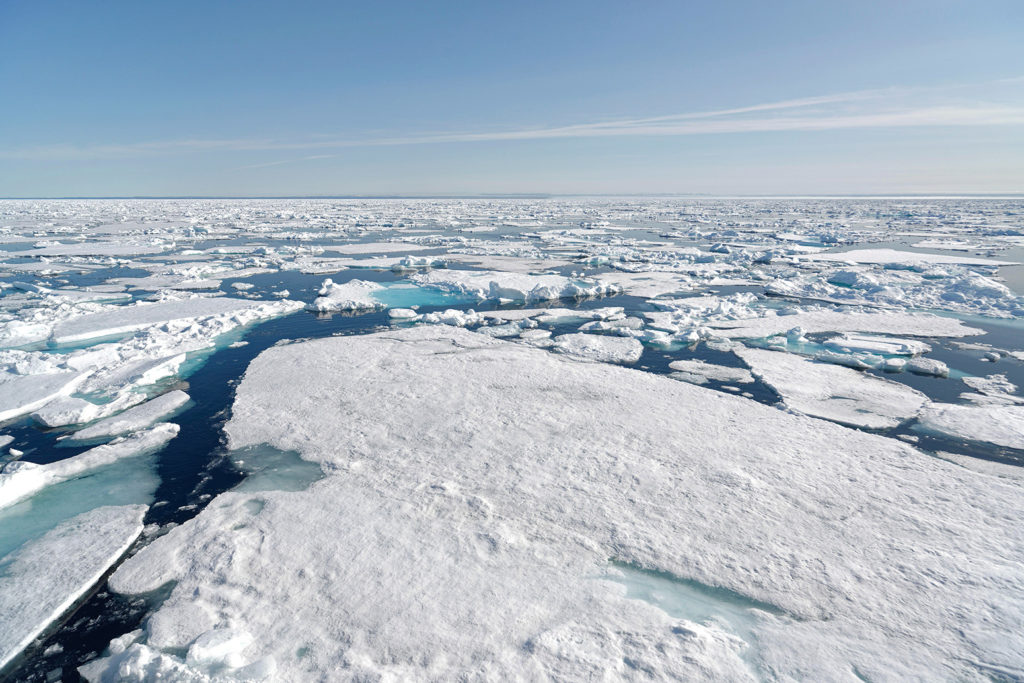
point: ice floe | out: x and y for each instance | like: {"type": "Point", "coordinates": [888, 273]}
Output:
{"type": "Point", "coordinates": [600, 348]}
{"type": "Point", "coordinates": [498, 286]}
{"type": "Point", "coordinates": [1002, 425]}
{"type": "Point", "coordinates": [43, 579]}
{"type": "Point", "coordinates": [833, 392]}
{"type": "Point", "coordinates": [486, 517]}
{"type": "Point", "coordinates": [134, 419]}
{"type": "Point", "coordinates": [354, 295]}
{"type": "Point", "coordinates": [19, 480]}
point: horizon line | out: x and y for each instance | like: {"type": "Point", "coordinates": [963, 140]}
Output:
{"type": "Point", "coordinates": [545, 195]}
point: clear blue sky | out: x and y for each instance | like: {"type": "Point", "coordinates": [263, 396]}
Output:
{"type": "Point", "coordinates": [252, 98]}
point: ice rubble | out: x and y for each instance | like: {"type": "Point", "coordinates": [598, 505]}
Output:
{"type": "Point", "coordinates": [497, 285]}
{"type": "Point", "coordinates": [19, 480]}
{"type": "Point", "coordinates": [833, 392]}
{"type": "Point", "coordinates": [36, 586]}
{"type": "Point", "coordinates": [134, 419]}
{"type": "Point", "coordinates": [484, 519]}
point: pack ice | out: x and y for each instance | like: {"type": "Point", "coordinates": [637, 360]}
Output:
{"type": "Point", "coordinates": [485, 532]}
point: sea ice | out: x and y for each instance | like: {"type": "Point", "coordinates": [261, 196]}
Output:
{"type": "Point", "coordinates": [353, 295]}
{"type": "Point", "coordinates": [834, 392]}
{"type": "Point", "coordinates": [21, 394]}
{"type": "Point", "coordinates": [1002, 425]}
{"type": "Point", "coordinates": [485, 518]}
{"type": "Point", "coordinates": [497, 285]}
{"type": "Point", "coordinates": [134, 419]}
{"type": "Point", "coordinates": [45, 577]}
{"type": "Point", "coordinates": [125, 319]}
{"type": "Point", "coordinates": [815, 321]}
{"type": "Point", "coordinates": [699, 372]}
{"type": "Point", "coordinates": [848, 343]}
{"type": "Point", "coordinates": [902, 258]}
{"type": "Point", "coordinates": [600, 347]}
{"type": "Point", "coordinates": [19, 480]}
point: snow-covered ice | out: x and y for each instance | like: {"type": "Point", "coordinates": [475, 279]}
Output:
{"type": "Point", "coordinates": [485, 518]}
{"type": "Point", "coordinates": [1002, 425]}
{"type": "Point", "coordinates": [21, 394]}
{"type": "Point", "coordinates": [44, 578]}
{"type": "Point", "coordinates": [498, 286]}
{"type": "Point", "coordinates": [600, 348]}
{"type": "Point", "coordinates": [496, 507]}
{"type": "Point", "coordinates": [833, 392]}
{"type": "Point", "coordinates": [699, 372]}
{"type": "Point", "coordinates": [125, 319]}
{"type": "Point", "coordinates": [353, 295]}
{"type": "Point", "coordinates": [134, 419]}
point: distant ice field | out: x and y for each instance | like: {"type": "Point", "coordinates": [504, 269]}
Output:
{"type": "Point", "coordinates": [137, 338]}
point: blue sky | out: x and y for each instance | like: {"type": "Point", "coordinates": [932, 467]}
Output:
{"type": "Point", "coordinates": [259, 98]}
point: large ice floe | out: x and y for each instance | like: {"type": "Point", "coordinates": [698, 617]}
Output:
{"type": "Point", "coordinates": [508, 529]}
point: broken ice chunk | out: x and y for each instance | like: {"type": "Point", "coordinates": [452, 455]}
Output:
{"type": "Point", "coordinates": [834, 392]}
{"type": "Point", "coordinates": [47, 576]}
{"type": "Point", "coordinates": [134, 419]}
{"type": "Point", "coordinates": [600, 348]}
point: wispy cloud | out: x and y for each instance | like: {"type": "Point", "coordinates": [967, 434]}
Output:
{"type": "Point", "coordinates": [882, 108]}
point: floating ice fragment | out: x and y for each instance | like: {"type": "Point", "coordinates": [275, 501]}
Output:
{"type": "Point", "coordinates": [600, 348]}
{"type": "Point", "coordinates": [927, 366]}
{"type": "Point", "coordinates": [496, 285]}
{"type": "Point", "coordinates": [699, 372]}
{"type": "Point", "coordinates": [19, 480]}
{"type": "Point", "coordinates": [354, 295]}
{"type": "Point", "coordinates": [134, 419]}
{"type": "Point", "coordinates": [835, 393]}
{"type": "Point", "coordinates": [1002, 425]}
{"type": "Point", "coordinates": [21, 394]}
{"type": "Point", "coordinates": [47, 576]}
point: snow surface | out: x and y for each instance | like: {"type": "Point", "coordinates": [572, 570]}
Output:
{"type": "Point", "coordinates": [600, 348]}
{"type": "Point", "coordinates": [833, 392]}
{"type": "Point", "coordinates": [498, 285]}
{"type": "Point", "coordinates": [43, 579]}
{"type": "Point", "coordinates": [902, 258]}
{"type": "Point", "coordinates": [1002, 425]}
{"type": "Point", "coordinates": [21, 394]}
{"type": "Point", "coordinates": [354, 295]}
{"type": "Point", "coordinates": [465, 534]}
{"type": "Point", "coordinates": [699, 372]}
{"type": "Point", "coordinates": [125, 319]}
{"type": "Point", "coordinates": [812, 322]}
